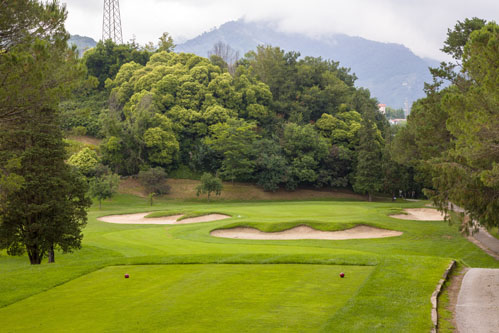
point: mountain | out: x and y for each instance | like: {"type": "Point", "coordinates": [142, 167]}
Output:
{"type": "Point", "coordinates": [82, 43]}
{"type": "Point", "coordinates": [392, 72]}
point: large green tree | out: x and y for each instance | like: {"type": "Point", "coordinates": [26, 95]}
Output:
{"type": "Point", "coordinates": [49, 210]}
{"type": "Point", "coordinates": [46, 209]}
{"type": "Point", "coordinates": [467, 174]}
{"type": "Point", "coordinates": [302, 89]}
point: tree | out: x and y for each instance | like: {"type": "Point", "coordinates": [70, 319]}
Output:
{"type": "Point", "coordinates": [304, 149]}
{"type": "Point", "coordinates": [454, 46]}
{"type": "Point", "coordinates": [106, 58]}
{"type": "Point", "coordinates": [36, 67]}
{"type": "Point", "coordinates": [226, 53]}
{"type": "Point", "coordinates": [394, 113]}
{"type": "Point", "coordinates": [467, 174]}
{"type": "Point", "coordinates": [47, 210]}
{"type": "Point", "coordinates": [154, 181]}
{"type": "Point", "coordinates": [271, 164]}
{"type": "Point", "coordinates": [368, 174]}
{"type": "Point", "coordinates": [209, 184]}
{"type": "Point", "coordinates": [86, 160]}
{"type": "Point", "coordinates": [302, 89]}
{"type": "Point", "coordinates": [235, 140]}
{"type": "Point", "coordinates": [26, 20]}
{"type": "Point", "coordinates": [166, 43]}
{"type": "Point", "coordinates": [104, 187]}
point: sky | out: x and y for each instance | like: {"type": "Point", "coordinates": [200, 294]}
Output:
{"type": "Point", "coordinates": [421, 25]}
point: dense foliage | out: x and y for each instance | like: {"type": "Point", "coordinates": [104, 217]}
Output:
{"type": "Point", "coordinates": [452, 135]}
{"type": "Point", "coordinates": [278, 120]}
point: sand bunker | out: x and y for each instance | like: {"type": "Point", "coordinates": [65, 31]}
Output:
{"type": "Point", "coordinates": [305, 232]}
{"type": "Point", "coordinates": [422, 214]}
{"type": "Point", "coordinates": [140, 218]}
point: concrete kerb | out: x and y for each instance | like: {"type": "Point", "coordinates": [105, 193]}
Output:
{"type": "Point", "coordinates": [436, 293]}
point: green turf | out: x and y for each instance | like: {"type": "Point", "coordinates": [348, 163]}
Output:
{"type": "Point", "coordinates": [186, 214]}
{"type": "Point", "coordinates": [192, 298]}
{"type": "Point", "coordinates": [394, 297]}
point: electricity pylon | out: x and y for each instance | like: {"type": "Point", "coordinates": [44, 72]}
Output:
{"type": "Point", "coordinates": [111, 23]}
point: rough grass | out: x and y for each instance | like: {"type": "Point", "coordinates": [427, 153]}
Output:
{"type": "Point", "coordinates": [394, 297]}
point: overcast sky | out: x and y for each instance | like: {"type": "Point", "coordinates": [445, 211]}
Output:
{"type": "Point", "coordinates": [420, 25]}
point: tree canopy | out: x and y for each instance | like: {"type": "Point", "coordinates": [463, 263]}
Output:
{"type": "Point", "coordinates": [182, 109]}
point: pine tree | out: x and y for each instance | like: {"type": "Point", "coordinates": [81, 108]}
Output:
{"type": "Point", "coordinates": [368, 175]}
{"type": "Point", "coordinates": [49, 210]}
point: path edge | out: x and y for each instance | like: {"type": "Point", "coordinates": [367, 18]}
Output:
{"type": "Point", "coordinates": [436, 293]}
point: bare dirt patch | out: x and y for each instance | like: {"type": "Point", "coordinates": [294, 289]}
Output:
{"type": "Point", "coordinates": [305, 232]}
{"type": "Point", "coordinates": [421, 214]}
{"type": "Point", "coordinates": [132, 186]}
{"type": "Point", "coordinates": [182, 189]}
{"type": "Point", "coordinates": [140, 218]}
{"type": "Point", "coordinates": [85, 139]}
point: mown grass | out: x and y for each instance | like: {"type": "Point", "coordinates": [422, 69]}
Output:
{"type": "Point", "coordinates": [185, 214]}
{"type": "Point", "coordinates": [395, 296]}
{"type": "Point", "coordinates": [192, 298]}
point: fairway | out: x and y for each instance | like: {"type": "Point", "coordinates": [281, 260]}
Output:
{"type": "Point", "coordinates": [227, 298]}
{"type": "Point", "coordinates": [182, 279]}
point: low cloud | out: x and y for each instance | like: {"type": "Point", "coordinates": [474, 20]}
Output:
{"type": "Point", "coordinates": [421, 25]}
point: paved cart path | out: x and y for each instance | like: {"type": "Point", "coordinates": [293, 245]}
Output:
{"type": "Point", "coordinates": [487, 240]}
{"type": "Point", "coordinates": [477, 309]}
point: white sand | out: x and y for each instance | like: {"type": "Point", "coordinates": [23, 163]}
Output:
{"type": "Point", "coordinates": [421, 214]}
{"type": "Point", "coordinates": [305, 232]}
{"type": "Point", "coordinates": [140, 218]}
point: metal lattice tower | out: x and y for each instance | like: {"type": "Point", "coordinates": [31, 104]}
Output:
{"type": "Point", "coordinates": [111, 24]}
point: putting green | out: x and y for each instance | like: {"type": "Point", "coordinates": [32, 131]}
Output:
{"type": "Point", "coordinates": [191, 298]}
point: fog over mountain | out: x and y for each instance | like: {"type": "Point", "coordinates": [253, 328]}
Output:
{"type": "Point", "coordinates": [392, 72]}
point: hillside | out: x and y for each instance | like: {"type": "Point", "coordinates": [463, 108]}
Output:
{"type": "Point", "coordinates": [390, 71]}
{"type": "Point", "coordinates": [82, 43]}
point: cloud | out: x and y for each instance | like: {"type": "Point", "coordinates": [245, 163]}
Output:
{"type": "Point", "coordinates": [419, 24]}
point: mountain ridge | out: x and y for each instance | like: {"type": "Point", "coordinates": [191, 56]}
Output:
{"type": "Point", "coordinates": [392, 72]}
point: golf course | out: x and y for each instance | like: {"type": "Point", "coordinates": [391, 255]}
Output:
{"type": "Point", "coordinates": [184, 279]}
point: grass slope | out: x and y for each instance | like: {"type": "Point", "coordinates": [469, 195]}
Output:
{"type": "Point", "coordinates": [395, 296]}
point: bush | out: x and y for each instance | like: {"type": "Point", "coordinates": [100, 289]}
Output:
{"type": "Point", "coordinates": [154, 181]}
{"type": "Point", "coordinates": [209, 184]}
